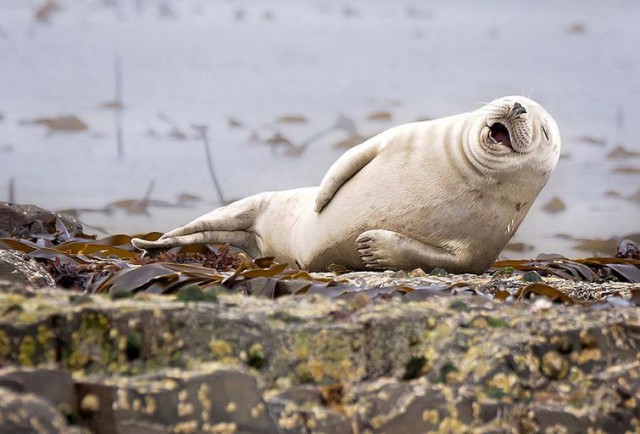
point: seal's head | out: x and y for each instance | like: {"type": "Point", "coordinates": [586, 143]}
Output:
{"type": "Point", "coordinates": [513, 133]}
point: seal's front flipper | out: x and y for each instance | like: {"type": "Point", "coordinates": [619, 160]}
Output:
{"type": "Point", "coordinates": [382, 249]}
{"type": "Point", "coordinates": [344, 168]}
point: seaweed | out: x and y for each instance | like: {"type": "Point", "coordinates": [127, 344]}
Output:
{"type": "Point", "coordinates": [199, 272]}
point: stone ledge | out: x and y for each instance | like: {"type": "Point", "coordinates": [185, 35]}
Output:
{"type": "Point", "coordinates": [324, 365]}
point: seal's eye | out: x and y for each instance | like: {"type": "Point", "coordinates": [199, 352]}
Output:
{"type": "Point", "coordinates": [545, 133]}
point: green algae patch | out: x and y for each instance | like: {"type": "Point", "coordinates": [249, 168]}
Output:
{"type": "Point", "coordinates": [5, 345]}
{"type": "Point", "coordinates": [458, 305]}
{"type": "Point", "coordinates": [503, 272]}
{"type": "Point", "coordinates": [496, 322]}
{"type": "Point", "coordinates": [190, 293]}
{"type": "Point", "coordinates": [119, 294]}
{"type": "Point", "coordinates": [326, 356]}
{"type": "Point", "coordinates": [27, 351]}
{"type": "Point", "coordinates": [93, 344]}
{"type": "Point", "coordinates": [75, 299]}
{"type": "Point", "coordinates": [221, 350]}
{"type": "Point", "coordinates": [46, 339]}
{"type": "Point", "coordinates": [29, 347]}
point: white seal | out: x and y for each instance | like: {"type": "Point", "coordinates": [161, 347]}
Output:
{"type": "Point", "coordinates": [445, 193]}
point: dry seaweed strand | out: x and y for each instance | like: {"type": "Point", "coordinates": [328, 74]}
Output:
{"type": "Point", "coordinates": [111, 265]}
{"type": "Point", "coordinates": [587, 269]}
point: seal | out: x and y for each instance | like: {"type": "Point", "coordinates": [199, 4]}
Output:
{"type": "Point", "coordinates": [446, 193]}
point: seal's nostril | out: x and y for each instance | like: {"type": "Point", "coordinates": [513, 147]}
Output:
{"type": "Point", "coordinates": [518, 109]}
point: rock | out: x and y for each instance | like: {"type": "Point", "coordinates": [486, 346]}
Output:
{"type": "Point", "coordinates": [23, 220]}
{"type": "Point", "coordinates": [27, 413]}
{"type": "Point", "coordinates": [154, 364]}
{"type": "Point", "coordinates": [209, 398]}
{"type": "Point", "coordinates": [15, 268]}
{"type": "Point", "coordinates": [304, 409]}
{"type": "Point", "coordinates": [53, 385]}
{"type": "Point", "coordinates": [293, 418]}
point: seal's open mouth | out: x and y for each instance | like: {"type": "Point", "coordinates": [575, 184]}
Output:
{"type": "Point", "coordinates": [500, 134]}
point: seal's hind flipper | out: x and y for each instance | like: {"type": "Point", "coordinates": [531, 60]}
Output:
{"type": "Point", "coordinates": [230, 224]}
{"type": "Point", "coordinates": [241, 239]}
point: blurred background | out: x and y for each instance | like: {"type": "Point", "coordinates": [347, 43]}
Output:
{"type": "Point", "coordinates": [109, 107]}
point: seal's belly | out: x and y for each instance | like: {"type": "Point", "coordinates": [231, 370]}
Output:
{"type": "Point", "coordinates": [396, 196]}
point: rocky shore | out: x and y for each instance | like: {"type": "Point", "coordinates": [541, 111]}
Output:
{"type": "Point", "coordinates": [395, 353]}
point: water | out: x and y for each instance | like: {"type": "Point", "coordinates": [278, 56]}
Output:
{"type": "Point", "coordinates": [207, 62]}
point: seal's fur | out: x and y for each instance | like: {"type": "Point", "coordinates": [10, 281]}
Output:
{"type": "Point", "coordinates": [445, 193]}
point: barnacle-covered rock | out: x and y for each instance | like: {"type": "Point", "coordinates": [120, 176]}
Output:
{"type": "Point", "coordinates": [354, 364]}
{"type": "Point", "coordinates": [208, 398]}
{"type": "Point", "coordinates": [15, 268]}
{"type": "Point", "coordinates": [28, 413]}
